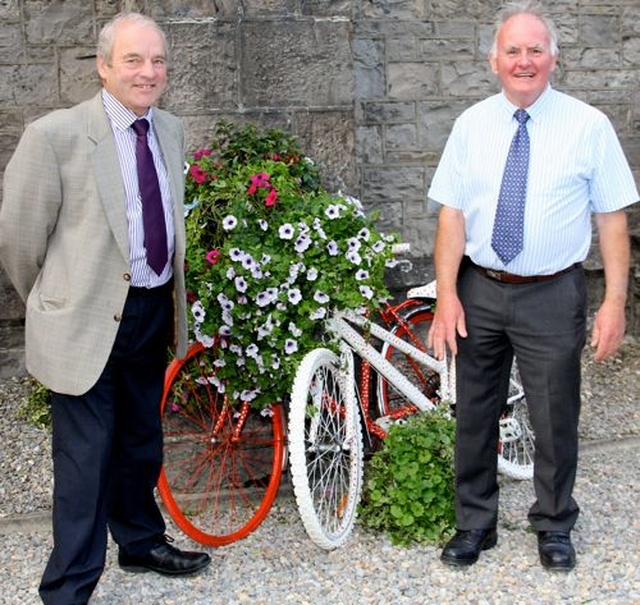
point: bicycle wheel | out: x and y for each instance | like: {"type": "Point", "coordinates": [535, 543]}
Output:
{"type": "Point", "coordinates": [517, 441]}
{"type": "Point", "coordinates": [325, 446]}
{"type": "Point", "coordinates": [413, 328]}
{"type": "Point", "coordinates": [222, 464]}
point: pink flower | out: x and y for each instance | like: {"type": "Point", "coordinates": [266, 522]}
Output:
{"type": "Point", "coordinates": [198, 174]}
{"type": "Point", "coordinates": [213, 256]}
{"type": "Point", "coordinates": [259, 181]}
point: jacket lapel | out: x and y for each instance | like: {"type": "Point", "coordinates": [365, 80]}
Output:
{"type": "Point", "coordinates": [172, 149]}
{"type": "Point", "coordinates": [106, 169]}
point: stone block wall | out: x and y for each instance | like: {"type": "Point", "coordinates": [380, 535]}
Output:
{"type": "Point", "coordinates": [370, 87]}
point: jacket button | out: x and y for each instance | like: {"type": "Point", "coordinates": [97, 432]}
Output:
{"type": "Point", "coordinates": [117, 317]}
{"type": "Point", "coordinates": [127, 277]}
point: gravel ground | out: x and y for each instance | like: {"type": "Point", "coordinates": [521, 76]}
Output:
{"type": "Point", "coordinates": [278, 564]}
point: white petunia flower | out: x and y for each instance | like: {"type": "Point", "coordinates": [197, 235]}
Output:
{"type": "Point", "coordinates": [332, 212]}
{"type": "Point", "coordinates": [236, 255]}
{"type": "Point", "coordinates": [294, 295]}
{"type": "Point", "coordinates": [353, 244]}
{"type": "Point", "coordinates": [297, 332]}
{"type": "Point", "coordinates": [366, 291]}
{"type": "Point", "coordinates": [286, 231]}
{"type": "Point", "coordinates": [229, 222]}
{"type": "Point", "coordinates": [378, 247]}
{"type": "Point", "coordinates": [198, 311]}
{"type": "Point", "coordinates": [290, 346]}
{"type": "Point", "coordinates": [354, 257]}
{"type": "Point", "coordinates": [319, 313]}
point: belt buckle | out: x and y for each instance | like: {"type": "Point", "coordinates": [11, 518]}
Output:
{"type": "Point", "coordinates": [493, 274]}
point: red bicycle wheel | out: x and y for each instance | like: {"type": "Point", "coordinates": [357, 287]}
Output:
{"type": "Point", "coordinates": [222, 464]}
{"type": "Point", "coordinates": [413, 327]}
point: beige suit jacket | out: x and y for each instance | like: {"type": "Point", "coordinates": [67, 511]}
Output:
{"type": "Point", "coordinates": [64, 242]}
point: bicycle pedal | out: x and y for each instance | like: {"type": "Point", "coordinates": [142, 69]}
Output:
{"type": "Point", "coordinates": [386, 422]}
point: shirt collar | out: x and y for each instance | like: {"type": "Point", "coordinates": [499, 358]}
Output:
{"type": "Point", "coordinates": [534, 110]}
{"type": "Point", "coordinates": [121, 117]}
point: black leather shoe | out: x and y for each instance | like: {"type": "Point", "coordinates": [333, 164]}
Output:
{"type": "Point", "coordinates": [556, 551]}
{"type": "Point", "coordinates": [165, 559]}
{"type": "Point", "coordinates": [464, 548]}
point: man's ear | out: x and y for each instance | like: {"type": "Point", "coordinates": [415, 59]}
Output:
{"type": "Point", "coordinates": [492, 61]}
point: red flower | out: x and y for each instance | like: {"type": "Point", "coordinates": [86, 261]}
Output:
{"type": "Point", "coordinates": [271, 198]}
{"type": "Point", "coordinates": [198, 174]}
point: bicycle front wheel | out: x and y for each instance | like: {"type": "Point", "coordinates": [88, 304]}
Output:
{"type": "Point", "coordinates": [325, 446]}
{"type": "Point", "coordinates": [222, 464]}
{"type": "Point", "coordinates": [517, 441]}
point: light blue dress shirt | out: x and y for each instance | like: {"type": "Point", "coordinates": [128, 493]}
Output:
{"type": "Point", "coordinates": [577, 167]}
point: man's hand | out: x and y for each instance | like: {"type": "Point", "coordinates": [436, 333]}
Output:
{"type": "Point", "coordinates": [608, 331]}
{"type": "Point", "coordinates": [448, 322]}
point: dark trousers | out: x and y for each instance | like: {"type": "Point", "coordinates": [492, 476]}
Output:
{"type": "Point", "coordinates": [544, 325]}
{"type": "Point", "coordinates": [107, 454]}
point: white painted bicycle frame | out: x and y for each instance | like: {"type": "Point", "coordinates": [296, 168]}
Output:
{"type": "Point", "coordinates": [342, 322]}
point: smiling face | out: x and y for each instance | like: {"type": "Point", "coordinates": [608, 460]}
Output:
{"type": "Point", "coordinates": [136, 71]}
{"type": "Point", "coordinates": [523, 58]}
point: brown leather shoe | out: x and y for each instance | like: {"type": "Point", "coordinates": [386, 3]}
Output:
{"type": "Point", "coordinates": [165, 559]}
{"type": "Point", "coordinates": [464, 548]}
{"type": "Point", "coordinates": [556, 551]}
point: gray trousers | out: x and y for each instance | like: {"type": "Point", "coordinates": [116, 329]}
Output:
{"type": "Point", "coordinates": [544, 325]}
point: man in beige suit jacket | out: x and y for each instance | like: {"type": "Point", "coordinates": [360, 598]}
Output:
{"type": "Point", "coordinates": [99, 320]}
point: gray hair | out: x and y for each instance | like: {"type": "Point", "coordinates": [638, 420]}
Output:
{"type": "Point", "coordinates": [525, 7]}
{"type": "Point", "coordinates": [107, 34]}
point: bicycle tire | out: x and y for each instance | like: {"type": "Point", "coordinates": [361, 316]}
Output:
{"type": "Point", "coordinates": [325, 447]}
{"type": "Point", "coordinates": [415, 324]}
{"type": "Point", "coordinates": [217, 482]}
{"type": "Point", "coordinates": [517, 440]}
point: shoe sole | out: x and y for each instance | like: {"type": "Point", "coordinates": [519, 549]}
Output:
{"type": "Point", "coordinates": [558, 567]}
{"type": "Point", "coordinates": [489, 543]}
{"type": "Point", "coordinates": [163, 572]}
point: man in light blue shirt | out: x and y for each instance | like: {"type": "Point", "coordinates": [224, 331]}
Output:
{"type": "Point", "coordinates": [534, 304]}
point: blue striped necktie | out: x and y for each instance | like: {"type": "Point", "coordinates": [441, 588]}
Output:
{"type": "Point", "coordinates": [155, 229]}
{"type": "Point", "coordinates": [508, 227]}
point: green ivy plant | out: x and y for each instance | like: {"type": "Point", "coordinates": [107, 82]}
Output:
{"type": "Point", "coordinates": [36, 407]}
{"type": "Point", "coordinates": [409, 484]}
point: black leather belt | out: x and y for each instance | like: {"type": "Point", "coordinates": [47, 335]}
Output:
{"type": "Point", "coordinates": [510, 278]}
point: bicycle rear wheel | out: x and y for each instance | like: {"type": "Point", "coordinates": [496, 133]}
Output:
{"type": "Point", "coordinates": [414, 329]}
{"type": "Point", "coordinates": [517, 440]}
{"type": "Point", "coordinates": [325, 446]}
{"type": "Point", "coordinates": [222, 463]}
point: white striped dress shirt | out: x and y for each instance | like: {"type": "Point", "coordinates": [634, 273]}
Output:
{"type": "Point", "coordinates": [577, 167]}
{"type": "Point", "coordinates": [121, 119]}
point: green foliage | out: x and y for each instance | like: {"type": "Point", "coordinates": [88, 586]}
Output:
{"type": "Point", "coordinates": [270, 254]}
{"type": "Point", "coordinates": [409, 483]}
{"type": "Point", "coordinates": [36, 408]}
